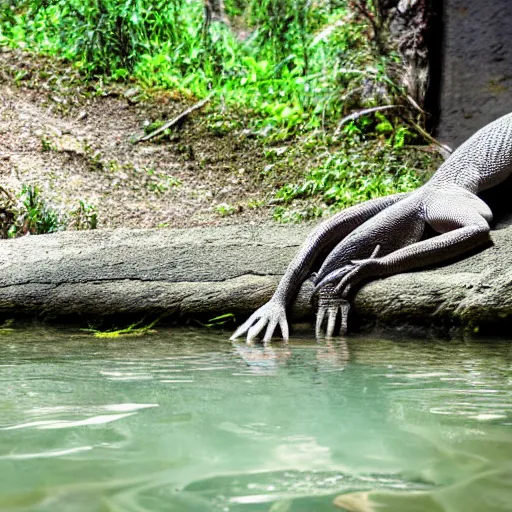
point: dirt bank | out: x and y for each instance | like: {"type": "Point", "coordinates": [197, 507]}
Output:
{"type": "Point", "coordinates": [75, 141]}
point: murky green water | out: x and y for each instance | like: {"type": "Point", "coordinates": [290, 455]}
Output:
{"type": "Point", "coordinates": [186, 421]}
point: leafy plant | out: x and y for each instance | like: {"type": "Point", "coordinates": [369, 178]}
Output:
{"type": "Point", "coordinates": [289, 67]}
{"type": "Point", "coordinates": [225, 209]}
{"type": "Point", "coordinates": [159, 182]}
{"type": "Point", "coordinates": [300, 66]}
{"type": "Point", "coordinates": [220, 320]}
{"type": "Point", "coordinates": [84, 216]}
{"type": "Point", "coordinates": [28, 212]}
{"type": "Point", "coordinates": [33, 214]}
{"type": "Point", "coordinates": [355, 172]}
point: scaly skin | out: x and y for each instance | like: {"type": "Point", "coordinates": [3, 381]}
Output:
{"type": "Point", "coordinates": [319, 243]}
{"type": "Point", "coordinates": [377, 239]}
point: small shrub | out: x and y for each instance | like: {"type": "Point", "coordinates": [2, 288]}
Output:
{"type": "Point", "coordinates": [28, 212]}
{"type": "Point", "coordinates": [225, 209]}
{"type": "Point", "coordinates": [84, 216]}
{"type": "Point", "coordinates": [357, 171]}
{"type": "Point", "coordinates": [33, 214]}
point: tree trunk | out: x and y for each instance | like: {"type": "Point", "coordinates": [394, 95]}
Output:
{"type": "Point", "coordinates": [412, 29]}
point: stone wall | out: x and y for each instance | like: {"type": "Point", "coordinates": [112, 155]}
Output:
{"type": "Point", "coordinates": [476, 72]}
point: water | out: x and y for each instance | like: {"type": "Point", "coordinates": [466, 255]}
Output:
{"type": "Point", "coordinates": [186, 421]}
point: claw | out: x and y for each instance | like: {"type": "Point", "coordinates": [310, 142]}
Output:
{"type": "Point", "coordinates": [245, 326]}
{"type": "Point", "coordinates": [344, 309]}
{"type": "Point", "coordinates": [335, 275]}
{"type": "Point", "coordinates": [271, 327]}
{"type": "Point", "coordinates": [256, 329]}
{"type": "Point", "coordinates": [283, 324]}
{"type": "Point", "coordinates": [320, 314]}
{"type": "Point", "coordinates": [331, 321]}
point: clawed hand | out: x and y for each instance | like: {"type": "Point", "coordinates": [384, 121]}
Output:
{"type": "Point", "coordinates": [330, 306]}
{"type": "Point", "coordinates": [269, 315]}
{"type": "Point", "coordinates": [333, 290]}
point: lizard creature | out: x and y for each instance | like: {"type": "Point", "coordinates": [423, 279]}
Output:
{"type": "Point", "coordinates": [383, 236]}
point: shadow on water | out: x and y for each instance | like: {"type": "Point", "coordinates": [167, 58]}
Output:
{"type": "Point", "coordinates": [185, 420]}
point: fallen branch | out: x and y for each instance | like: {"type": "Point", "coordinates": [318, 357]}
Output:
{"type": "Point", "coordinates": [443, 149]}
{"type": "Point", "coordinates": [174, 121]}
{"type": "Point", "coordinates": [8, 194]}
{"type": "Point", "coordinates": [359, 113]}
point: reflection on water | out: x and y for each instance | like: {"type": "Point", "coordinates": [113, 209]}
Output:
{"type": "Point", "coordinates": [186, 421]}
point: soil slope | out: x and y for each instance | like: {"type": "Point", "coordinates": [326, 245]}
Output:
{"type": "Point", "coordinates": [75, 141]}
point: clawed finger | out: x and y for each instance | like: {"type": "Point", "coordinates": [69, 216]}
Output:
{"type": "Point", "coordinates": [256, 329]}
{"type": "Point", "coordinates": [340, 287]}
{"type": "Point", "coordinates": [331, 321]}
{"type": "Point", "coordinates": [320, 314]}
{"type": "Point", "coordinates": [344, 309]}
{"type": "Point", "coordinates": [271, 327]}
{"type": "Point", "coordinates": [283, 324]}
{"type": "Point", "coordinates": [245, 326]}
{"type": "Point", "coordinates": [333, 276]}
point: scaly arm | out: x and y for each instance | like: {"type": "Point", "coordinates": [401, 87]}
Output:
{"type": "Point", "coordinates": [461, 217]}
{"type": "Point", "coordinates": [321, 240]}
{"type": "Point", "coordinates": [427, 252]}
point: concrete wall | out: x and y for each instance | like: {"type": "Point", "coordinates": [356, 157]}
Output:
{"type": "Point", "coordinates": [476, 72]}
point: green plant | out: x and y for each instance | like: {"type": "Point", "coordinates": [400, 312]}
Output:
{"type": "Point", "coordinates": [287, 68]}
{"type": "Point", "coordinates": [302, 65]}
{"type": "Point", "coordinates": [225, 209]}
{"type": "Point", "coordinates": [84, 216]}
{"type": "Point", "coordinates": [33, 214]}
{"type": "Point", "coordinates": [218, 321]}
{"type": "Point", "coordinates": [135, 329]}
{"type": "Point", "coordinates": [355, 172]}
{"type": "Point", "coordinates": [29, 212]}
{"type": "Point", "coordinates": [46, 144]}
{"type": "Point", "coordinates": [159, 182]}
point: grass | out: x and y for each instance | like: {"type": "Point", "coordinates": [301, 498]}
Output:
{"type": "Point", "coordinates": [288, 69]}
{"type": "Point", "coordinates": [358, 169]}
{"type": "Point", "coordinates": [294, 68]}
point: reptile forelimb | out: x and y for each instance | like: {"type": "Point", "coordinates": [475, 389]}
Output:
{"type": "Point", "coordinates": [448, 202]}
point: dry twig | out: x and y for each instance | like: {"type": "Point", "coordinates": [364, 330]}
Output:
{"type": "Point", "coordinates": [8, 194]}
{"type": "Point", "coordinates": [174, 121]}
{"type": "Point", "coordinates": [359, 113]}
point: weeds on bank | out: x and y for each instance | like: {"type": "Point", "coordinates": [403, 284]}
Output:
{"type": "Point", "coordinates": [84, 216]}
{"type": "Point", "coordinates": [295, 65]}
{"type": "Point", "coordinates": [372, 159]}
{"type": "Point", "coordinates": [28, 212]}
{"type": "Point", "coordinates": [219, 321]}
{"type": "Point", "coordinates": [225, 209]}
